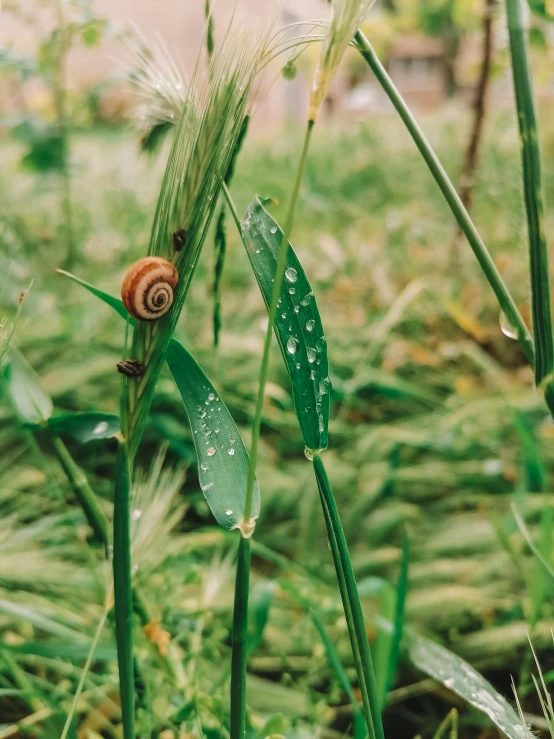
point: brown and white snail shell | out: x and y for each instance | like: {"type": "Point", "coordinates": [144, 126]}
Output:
{"type": "Point", "coordinates": [147, 288]}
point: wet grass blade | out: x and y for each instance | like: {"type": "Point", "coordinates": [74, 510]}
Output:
{"type": "Point", "coordinates": [532, 189]}
{"type": "Point", "coordinates": [123, 591]}
{"type": "Point", "coordinates": [222, 456]}
{"type": "Point", "coordinates": [297, 324]}
{"type": "Point", "coordinates": [458, 676]}
{"type": "Point", "coordinates": [458, 209]}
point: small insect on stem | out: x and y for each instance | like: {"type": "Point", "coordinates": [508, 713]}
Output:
{"type": "Point", "coordinates": [179, 238]}
{"type": "Point", "coordinates": [131, 368]}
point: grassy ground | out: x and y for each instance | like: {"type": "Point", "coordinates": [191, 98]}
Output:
{"type": "Point", "coordinates": [435, 427]}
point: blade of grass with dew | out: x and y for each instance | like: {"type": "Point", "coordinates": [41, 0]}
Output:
{"type": "Point", "coordinates": [458, 676]}
{"type": "Point", "coordinates": [122, 587]}
{"type": "Point", "coordinates": [351, 603]}
{"type": "Point", "coordinates": [297, 322]}
{"type": "Point", "coordinates": [222, 475]}
{"type": "Point", "coordinates": [505, 300]}
{"type": "Point", "coordinates": [85, 426]}
{"type": "Point", "coordinates": [532, 187]}
{"type": "Point", "coordinates": [222, 456]}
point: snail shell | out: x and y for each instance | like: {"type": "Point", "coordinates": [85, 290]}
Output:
{"type": "Point", "coordinates": [147, 288]}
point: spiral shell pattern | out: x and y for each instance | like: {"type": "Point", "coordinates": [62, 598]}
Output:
{"type": "Point", "coordinates": [147, 288]}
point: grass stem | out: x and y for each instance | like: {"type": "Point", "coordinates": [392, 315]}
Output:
{"type": "Point", "coordinates": [351, 602]}
{"type": "Point", "coordinates": [279, 275]}
{"type": "Point", "coordinates": [123, 591]}
{"type": "Point", "coordinates": [532, 188]}
{"type": "Point", "coordinates": [458, 209]}
{"type": "Point", "coordinates": [240, 641]}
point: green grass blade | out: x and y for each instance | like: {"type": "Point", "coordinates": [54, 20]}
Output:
{"type": "Point", "coordinates": [458, 209]}
{"type": "Point", "coordinates": [240, 641]}
{"type": "Point", "coordinates": [222, 456]}
{"type": "Point", "coordinates": [458, 676]}
{"type": "Point", "coordinates": [531, 544]}
{"type": "Point", "coordinates": [83, 492]}
{"type": "Point", "coordinates": [113, 302]}
{"type": "Point", "coordinates": [297, 323]}
{"type": "Point", "coordinates": [351, 602]}
{"type": "Point", "coordinates": [399, 613]}
{"type": "Point", "coordinates": [123, 592]}
{"type": "Point", "coordinates": [532, 187]}
{"type": "Point", "coordinates": [30, 401]}
{"type": "Point", "coordinates": [86, 426]}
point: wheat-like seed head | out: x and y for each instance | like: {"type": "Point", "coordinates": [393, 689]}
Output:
{"type": "Point", "coordinates": [204, 141]}
{"type": "Point", "coordinates": [347, 16]}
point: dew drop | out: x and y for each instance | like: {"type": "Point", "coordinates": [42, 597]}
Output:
{"type": "Point", "coordinates": [310, 325]}
{"type": "Point", "coordinates": [309, 453]}
{"type": "Point", "coordinates": [291, 274]}
{"type": "Point", "coordinates": [311, 354]}
{"type": "Point", "coordinates": [211, 451]}
{"type": "Point", "coordinates": [306, 299]}
{"type": "Point", "coordinates": [211, 396]}
{"type": "Point", "coordinates": [291, 290]}
{"type": "Point", "coordinates": [100, 428]}
{"type": "Point", "coordinates": [204, 467]}
{"type": "Point", "coordinates": [228, 512]}
{"type": "Point", "coordinates": [312, 375]}
{"type": "Point", "coordinates": [273, 230]}
{"type": "Point", "coordinates": [298, 365]}
{"type": "Point", "coordinates": [203, 414]}
{"type": "Point", "coordinates": [283, 315]}
{"type": "Point", "coordinates": [506, 327]}
{"type": "Point", "coordinates": [296, 308]}
{"type": "Point", "coordinates": [136, 514]}
{"type": "Point", "coordinates": [230, 451]}
{"type": "Point", "coordinates": [292, 345]}
{"type": "Point", "coordinates": [232, 439]}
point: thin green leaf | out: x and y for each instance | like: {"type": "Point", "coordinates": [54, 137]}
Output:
{"type": "Point", "coordinates": [454, 673]}
{"type": "Point", "coordinates": [532, 188]}
{"type": "Point", "coordinates": [30, 401]}
{"type": "Point", "coordinates": [297, 326]}
{"type": "Point", "coordinates": [222, 456]}
{"type": "Point", "coordinates": [40, 621]}
{"type": "Point", "coordinates": [113, 302]}
{"type": "Point", "coordinates": [399, 613]}
{"type": "Point", "coordinates": [531, 544]}
{"type": "Point", "coordinates": [123, 591]}
{"type": "Point", "coordinates": [86, 426]}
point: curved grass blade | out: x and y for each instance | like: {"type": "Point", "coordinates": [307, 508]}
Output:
{"type": "Point", "coordinates": [86, 426]}
{"type": "Point", "coordinates": [222, 456]}
{"type": "Point", "coordinates": [454, 673]}
{"type": "Point", "coordinates": [223, 472]}
{"type": "Point", "coordinates": [30, 401]}
{"type": "Point", "coordinates": [297, 326]}
{"type": "Point", "coordinates": [532, 188]}
{"type": "Point", "coordinates": [122, 586]}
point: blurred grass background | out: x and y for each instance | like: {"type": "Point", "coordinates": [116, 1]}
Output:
{"type": "Point", "coordinates": [435, 423]}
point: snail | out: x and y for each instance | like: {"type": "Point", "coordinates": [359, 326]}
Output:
{"type": "Point", "coordinates": [147, 289]}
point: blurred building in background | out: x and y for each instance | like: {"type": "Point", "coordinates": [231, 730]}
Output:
{"type": "Point", "coordinates": [418, 63]}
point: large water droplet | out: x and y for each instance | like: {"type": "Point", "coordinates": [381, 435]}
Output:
{"type": "Point", "coordinates": [292, 345]}
{"type": "Point", "coordinates": [211, 451]}
{"type": "Point", "coordinates": [311, 354]}
{"type": "Point", "coordinates": [309, 453]}
{"type": "Point", "coordinates": [506, 327]}
{"type": "Point", "coordinates": [100, 428]}
{"type": "Point", "coordinates": [291, 274]}
{"type": "Point", "coordinates": [211, 396]}
{"type": "Point", "coordinates": [273, 230]}
{"type": "Point", "coordinates": [310, 325]}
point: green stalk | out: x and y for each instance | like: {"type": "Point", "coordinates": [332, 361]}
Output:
{"type": "Point", "coordinates": [351, 602]}
{"type": "Point", "coordinates": [123, 591]}
{"type": "Point", "coordinates": [240, 641]}
{"type": "Point", "coordinates": [83, 492]}
{"type": "Point", "coordinates": [279, 274]}
{"type": "Point", "coordinates": [532, 187]}
{"type": "Point", "coordinates": [458, 209]}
